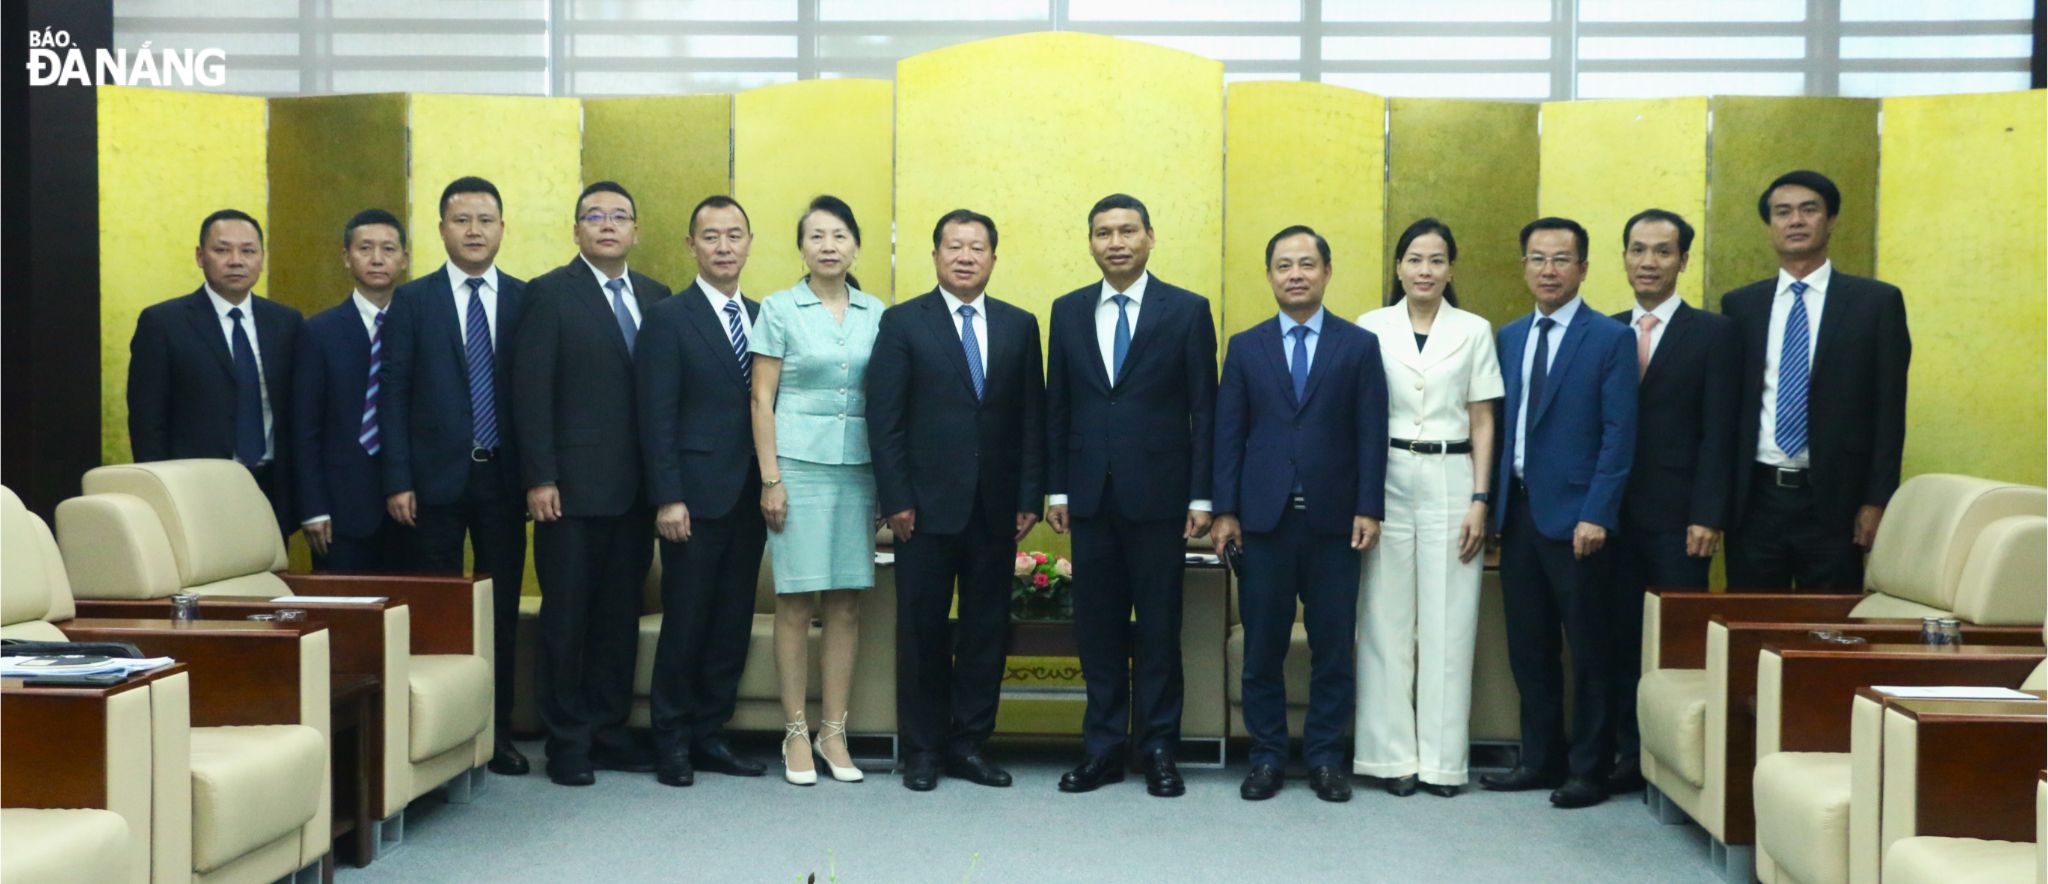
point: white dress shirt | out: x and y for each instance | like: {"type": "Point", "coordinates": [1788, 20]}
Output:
{"type": "Point", "coordinates": [632, 304]}
{"type": "Point", "coordinates": [458, 286]}
{"type": "Point", "coordinates": [1816, 297]}
{"type": "Point", "coordinates": [718, 300]}
{"type": "Point", "coordinates": [1105, 319]}
{"type": "Point", "coordinates": [1664, 312]}
{"type": "Point", "coordinates": [227, 331]}
{"type": "Point", "coordinates": [1563, 316]}
{"type": "Point", "coordinates": [980, 306]}
{"type": "Point", "coordinates": [1315, 333]}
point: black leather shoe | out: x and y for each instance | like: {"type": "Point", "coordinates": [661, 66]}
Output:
{"type": "Point", "coordinates": [921, 773]}
{"type": "Point", "coordinates": [672, 768]}
{"type": "Point", "coordinates": [1521, 779]}
{"type": "Point", "coordinates": [569, 772]}
{"type": "Point", "coordinates": [1095, 772]}
{"type": "Point", "coordinates": [1627, 777]}
{"type": "Point", "coordinates": [507, 760]}
{"type": "Point", "coordinates": [1330, 783]}
{"type": "Point", "coordinates": [1441, 791]}
{"type": "Point", "coordinates": [718, 757]}
{"type": "Point", "coordinates": [1262, 783]}
{"type": "Point", "coordinates": [630, 759]}
{"type": "Point", "coordinates": [1162, 778]}
{"type": "Point", "coordinates": [1578, 792]}
{"type": "Point", "coordinates": [1402, 787]}
{"type": "Point", "coordinates": [973, 768]}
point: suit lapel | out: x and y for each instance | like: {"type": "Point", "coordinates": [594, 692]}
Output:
{"type": "Point", "coordinates": [1677, 333]}
{"type": "Point", "coordinates": [1832, 315]}
{"type": "Point", "coordinates": [1328, 346]}
{"type": "Point", "coordinates": [1157, 301]}
{"type": "Point", "coordinates": [269, 336]}
{"type": "Point", "coordinates": [441, 301]}
{"type": "Point", "coordinates": [596, 297]}
{"type": "Point", "coordinates": [1268, 343]}
{"type": "Point", "coordinates": [212, 334]}
{"type": "Point", "coordinates": [1514, 341]}
{"type": "Point", "coordinates": [1086, 316]}
{"type": "Point", "coordinates": [712, 328]}
{"type": "Point", "coordinates": [1562, 361]}
{"type": "Point", "coordinates": [940, 324]}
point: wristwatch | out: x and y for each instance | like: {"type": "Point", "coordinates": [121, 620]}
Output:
{"type": "Point", "coordinates": [1481, 497]}
{"type": "Point", "coordinates": [770, 483]}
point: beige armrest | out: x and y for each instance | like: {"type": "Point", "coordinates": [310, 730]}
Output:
{"type": "Point", "coordinates": [84, 748]}
{"type": "Point", "coordinates": [1961, 769]}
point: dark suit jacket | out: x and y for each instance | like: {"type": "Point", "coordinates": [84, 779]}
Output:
{"type": "Point", "coordinates": [572, 391]}
{"type": "Point", "coordinates": [696, 430]}
{"type": "Point", "coordinates": [1154, 427]}
{"type": "Point", "coordinates": [1685, 425]}
{"type": "Point", "coordinates": [181, 385]}
{"type": "Point", "coordinates": [334, 476]}
{"type": "Point", "coordinates": [936, 447]}
{"type": "Point", "coordinates": [423, 405]}
{"type": "Point", "coordinates": [1856, 396]}
{"type": "Point", "coordinates": [1582, 436]}
{"type": "Point", "coordinates": [1332, 442]}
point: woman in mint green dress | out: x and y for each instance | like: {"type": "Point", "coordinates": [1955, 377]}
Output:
{"type": "Point", "coordinates": [811, 345]}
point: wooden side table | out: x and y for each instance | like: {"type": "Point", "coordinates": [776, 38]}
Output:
{"type": "Point", "coordinates": [353, 696]}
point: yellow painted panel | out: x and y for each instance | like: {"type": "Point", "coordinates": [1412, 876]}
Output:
{"type": "Point", "coordinates": [331, 157]}
{"type": "Point", "coordinates": [670, 151]}
{"type": "Point", "coordinates": [795, 141]}
{"type": "Point", "coordinates": [1603, 161]}
{"type": "Point", "coordinates": [1757, 139]}
{"type": "Point", "coordinates": [1302, 153]}
{"type": "Point", "coordinates": [167, 159]}
{"type": "Point", "coordinates": [1472, 165]}
{"type": "Point", "coordinates": [1961, 233]}
{"type": "Point", "coordinates": [529, 147]}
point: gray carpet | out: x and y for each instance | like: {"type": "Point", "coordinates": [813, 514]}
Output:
{"type": "Point", "coordinates": [628, 828]}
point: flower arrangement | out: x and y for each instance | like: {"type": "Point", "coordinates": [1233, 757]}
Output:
{"type": "Point", "coordinates": [1041, 587]}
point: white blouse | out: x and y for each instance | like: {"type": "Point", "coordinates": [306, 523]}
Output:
{"type": "Point", "coordinates": [1428, 390]}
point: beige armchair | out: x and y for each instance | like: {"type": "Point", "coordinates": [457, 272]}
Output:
{"type": "Point", "coordinates": [1962, 793]}
{"type": "Point", "coordinates": [1932, 859]}
{"type": "Point", "coordinates": [145, 531]}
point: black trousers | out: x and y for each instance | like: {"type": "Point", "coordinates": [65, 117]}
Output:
{"type": "Point", "coordinates": [591, 572]}
{"type": "Point", "coordinates": [948, 679]}
{"type": "Point", "coordinates": [385, 550]}
{"type": "Point", "coordinates": [492, 513]}
{"type": "Point", "coordinates": [707, 618]}
{"type": "Point", "coordinates": [1543, 588]}
{"type": "Point", "coordinates": [1132, 669]}
{"type": "Point", "coordinates": [1782, 543]}
{"type": "Point", "coordinates": [1321, 570]}
{"type": "Point", "coordinates": [1642, 560]}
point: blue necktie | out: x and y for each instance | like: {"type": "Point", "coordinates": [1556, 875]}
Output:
{"type": "Point", "coordinates": [368, 435]}
{"type": "Point", "coordinates": [973, 345]}
{"type": "Point", "coordinates": [249, 436]}
{"type": "Point", "coordinates": [1539, 372]}
{"type": "Point", "coordinates": [626, 325]}
{"type": "Point", "coordinates": [1793, 373]}
{"type": "Point", "coordinates": [1122, 346]}
{"type": "Point", "coordinates": [483, 366]}
{"type": "Point", "coordinates": [1298, 366]}
{"type": "Point", "coordinates": [738, 333]}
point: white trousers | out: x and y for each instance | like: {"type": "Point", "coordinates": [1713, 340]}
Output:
{"type": "Point", "coordinates": [1417, 621]}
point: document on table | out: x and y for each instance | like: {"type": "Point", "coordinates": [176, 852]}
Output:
{"type": "Point", "coordinates": [330, 599]}
{"type": "Point", "coordinates": [81, 664]}
{"type": "Point", "coordinates": [1952, 692]}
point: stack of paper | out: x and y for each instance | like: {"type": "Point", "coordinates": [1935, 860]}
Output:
{"type": "Point", "coordinates": [1951, 692]}
{"type": "Point", "coordinates": [78, 664]}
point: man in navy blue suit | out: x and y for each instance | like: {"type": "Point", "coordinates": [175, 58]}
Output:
{"type": "Point", "coordinates": [1569, 437]}
{"type": "Point", "coordinates": [336, 427]}
{"type": "Point", "coordinates": [1130, 398]}
{"type": "Point", "coordinates": [450, 464]}
{"type": "Point", "coordinates": [1308, 388]}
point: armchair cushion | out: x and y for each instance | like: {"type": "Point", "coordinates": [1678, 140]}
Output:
{"type": "Point", "coordinates": [1909, 561]}
{"type": "Point", "coordinates": [219, 523]}
{"type": "Point", "coordinates": [1802, 814]}
{"type": "Point", "coordinates": [1878, 606]}
{"type": "Point", "coordinates": [1671, 705]}
{"type": "Point", "coordinates": [1927, 860]}
{"type": "Point", "coordinates": [451, 702]}
{"type": "Point", "coordinates": [252, 785]}
{"type": "Point", "coordinates": [69, 846]}
{"type": "Point", "coordinates": [2001, 584]}
{"type": "Point", "coordinates": [114, 548]}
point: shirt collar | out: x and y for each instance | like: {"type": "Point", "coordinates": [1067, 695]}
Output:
{"type": "Point", "coordinates": [1563, 316]}
{"type": "Point", "coordinates": [625, 274]}
{"type": "Point", "coordinates": [1664, 311]}
{"type": "Point", "coordinates": [221, 305]}
{"type": "Point", "coordinates": [1136, 292]}
{"type": "Point", "coordinates": [718, 298]}
{"type": "Point", "coordinates": [953, 302]}
{"type": "Point", "coordinates": [365, 306]}
{"type": "Point", "coordinates": [1314, 323]}
{"type": "Point", "coordinates": [458, 279]}
{"type": "Point", "coordinates": [1817, 281]}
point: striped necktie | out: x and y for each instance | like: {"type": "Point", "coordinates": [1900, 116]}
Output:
{"type": "Point", "coordinates": [368, 435]}
{"type": "Point", "coordinates": [737, 331]}
{"type": "Point", "coordinates": [1794, 371]}
{"type": "Point", "coordinates": [476, 345]}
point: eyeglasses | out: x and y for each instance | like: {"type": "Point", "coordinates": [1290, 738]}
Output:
{"type": "Point", "coordinates": [1558, 262]}
{"type": "Point", "coordinates": [596, 219]}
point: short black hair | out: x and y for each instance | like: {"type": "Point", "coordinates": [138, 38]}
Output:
{"type": "Point", "coordinates": [206, 226]}
{"type": "Point", "coordinates": [605, 187]}
{"type": "Point", "coordinates": [367, 217]}
{"type": "Point", "coordinates": [1120, 201]}
{"type": "Point", "coordinates": [718, 201]}
{"type": "Point", "coordinates": [1685, 231]}
{"type": "Point", "coordinates": [1423, 227]}
{"type": "Point", "coordinates": [1322, 245]}
{"type": "Point", "coordinates": [1556, 223]}
{"type": "Point", "coordinates": [965, 216]}
{"type": "Point", "coordinates": [470, 184]}
{"type": "Point", "coordinates": [1808, 179]}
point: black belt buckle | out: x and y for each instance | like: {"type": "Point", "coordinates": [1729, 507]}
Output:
{"type": "Point", "coordinates": [1297, 501]}
{"type": "Point", "coordinates": [1420, 447]}
{"type": "Point", "coordinates": [1788, 478]}
{"type": "Point", "coordinates": [480, 454]}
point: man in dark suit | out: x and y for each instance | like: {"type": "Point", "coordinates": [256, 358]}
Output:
{"type": "Point", "coordinates": [1823, 408]}
{"type": "Point", "coordinates": [694, 376]}
{"type": "Point", "coordinates": [1687, 363]}
{"type": "Point", "coordinates": [1131, 398]}
{"type": "Point", "coordinates": [336, 422]}
{"type": "Point", "coordinates": [449, 451]}
{"type": "Point", "coordinates": [210, 373]}
{"type": "Point", "coordinates": [956, 422]}
{"type": "Point", "coordinates": [1566, 445]}
{"type": "Point", "coordinates": [1310, 388]}
{"type": "Point", "coordinates": [579, 451]}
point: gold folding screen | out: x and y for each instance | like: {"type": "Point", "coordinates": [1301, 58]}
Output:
{"type": "Point", "coordinates": [1471, 165]}
{"type": "Point", "coordinates": [795, 141]}
{"type": "Point", "coordinates": [670, 151]}
{"type": "Point", "coordinates": [1757, 139]}
{"type": "Point", "coordinates": [1602, 161]}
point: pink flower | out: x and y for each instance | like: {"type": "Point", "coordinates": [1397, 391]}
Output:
{"type": "Point", "coordinates": [1064, 569]}
{"type": "Point", "coordinates": [1040, 580]}
{"type": "Point", "coordinates": [1038, 557]}
{"type": "Point", "coordinates": [1023, 566]}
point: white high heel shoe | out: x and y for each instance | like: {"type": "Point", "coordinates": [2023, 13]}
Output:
{"type": "Point", "coordinates": [829, 728]}
{"type": "Point", "coordinates": [800, 732]}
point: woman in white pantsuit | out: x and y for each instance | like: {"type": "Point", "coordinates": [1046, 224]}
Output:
{"type": "Point", "coordinates": [1419, 594]}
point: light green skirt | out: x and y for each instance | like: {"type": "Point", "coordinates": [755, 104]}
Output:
{"type": "Point", "coordinates": [828, 539]}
